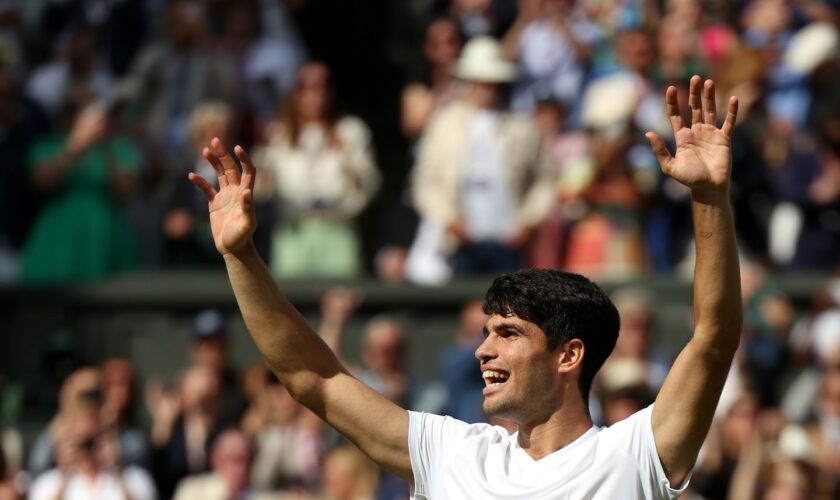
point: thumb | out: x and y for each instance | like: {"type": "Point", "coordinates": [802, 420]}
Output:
{"type": "Point", "coordinates": [663, 156]}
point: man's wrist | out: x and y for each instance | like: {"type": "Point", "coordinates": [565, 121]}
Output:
{"type": "Point", "coordinates": [243, 253]}
{"type": "Point", "coordinates": [710, 196]}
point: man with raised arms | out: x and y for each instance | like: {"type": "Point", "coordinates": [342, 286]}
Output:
{"type": "Point", "coordinates": [548, 334]}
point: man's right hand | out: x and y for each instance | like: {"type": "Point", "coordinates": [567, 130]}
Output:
{"type": "Point", "coordinates": [232, 218]}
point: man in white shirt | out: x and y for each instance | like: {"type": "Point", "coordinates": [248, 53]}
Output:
{"type": "Point", "coordinates": [548, 334]}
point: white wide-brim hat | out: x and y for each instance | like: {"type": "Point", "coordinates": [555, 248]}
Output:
{"type": "Point", "coordinates": [482, 61]}
{"type": "Point", "coordinates": [610, 100]}
{"type": "Point", "coordinates": [811, 46]}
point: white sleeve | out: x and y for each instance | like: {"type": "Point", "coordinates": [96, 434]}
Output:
{"type": "Point", "coordinates": [45, 486]}
{"type": "Point", "coordinates": [139, 483]}
{"type": "Point", "coordinates": [428, 438]}
{"type": "Point", "coordinates": [634, 436]}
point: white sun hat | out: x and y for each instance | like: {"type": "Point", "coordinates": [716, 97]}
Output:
{"type": "Point", "coordinates": [482, 61]}
{"type": "Point", "coordinates": [811, 46]}
{"type": "Point", "coordinates": [610, 100]}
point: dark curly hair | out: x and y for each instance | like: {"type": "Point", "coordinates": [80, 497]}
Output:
{"type": "Point", "coordinates": [565, 306]}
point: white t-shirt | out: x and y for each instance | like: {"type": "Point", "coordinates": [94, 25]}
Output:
{"type": "Point", "coordinates": [486, 200]}
{"type": "Point", "coordinates": [104, 487]}
{"type": "Point", "coordinates": [453, 459]}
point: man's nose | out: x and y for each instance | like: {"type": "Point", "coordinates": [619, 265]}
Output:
{"type": "Point", "coordinates": [485, 351]}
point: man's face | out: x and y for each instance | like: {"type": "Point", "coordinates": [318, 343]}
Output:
{"type": "Point", "coordinates": [520, 374]}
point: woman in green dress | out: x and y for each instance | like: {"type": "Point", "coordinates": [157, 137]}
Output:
{"type": "Point", "coordinates": [81, 233]}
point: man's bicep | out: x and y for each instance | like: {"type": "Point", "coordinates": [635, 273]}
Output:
{"type": "Point", "coordinates": [376, 425]}
{"type": "Point", "coordinates": [685, 407]}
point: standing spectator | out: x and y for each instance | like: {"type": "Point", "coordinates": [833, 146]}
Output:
{"type": "Point", "coordinates": [169, 78]}
{"type": "Point", "coordinates": [321, 170]}
{"type": "Point", "coordinates": [75, 65]}
{"type": "Point", "coordinates": [22, 122]}
{"type": "Point", "coordinates": [89, 466]}
{"type": "Point", "coordinates": [478, 176]}
{"type": "Point", "coordinates": [552, 49]}
{"type": "Point", "coordinates": [89, 172]}
{"type": "Point", "coordinates": [185, 218]}
{"type": "Point", "coordinates": [230, 473]}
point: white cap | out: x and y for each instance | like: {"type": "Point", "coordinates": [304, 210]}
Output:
{"type": "Point", "coordinates": [811, 46]}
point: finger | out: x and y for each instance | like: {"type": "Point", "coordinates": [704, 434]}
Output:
{"type": "Point", "coordinates": [731, 116]}
{"type": "Point", "coordinates": [203, 185]}
{"type": "Point", "coordinates": [217, 166]}
{"type": "Point", "coordinates": [246, 200]}
{"type": "Point", "coordinates": [709, 105]}
{"type": "Point", "coordinates": [249, 172]}
{"type": "Point", "coordinates": [663, 156]}
{"type": "Point", "coordinates": [694, 100]}
{"type": "Point", "coordinates": [672, 108]}
{"type": "Point", "coordinates": [230, 167]}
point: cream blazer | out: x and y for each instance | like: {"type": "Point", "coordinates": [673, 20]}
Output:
{"type": "Point", "coordinates": [438, 173]}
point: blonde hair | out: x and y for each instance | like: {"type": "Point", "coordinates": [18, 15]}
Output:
{"type": "Point", "coordinates": [208, 113]}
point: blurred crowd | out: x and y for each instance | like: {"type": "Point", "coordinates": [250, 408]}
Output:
{"type": "Point", "coordinates": [489, 136]}
{"type": "Point", "coordinates": [485, 136]}
{"type": "Point", "coordinates": [219, 431]}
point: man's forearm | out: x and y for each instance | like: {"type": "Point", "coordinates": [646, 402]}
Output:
{"type": "Point", "coordinates": [717, 281]}
{"type": "Point", "coordinates": [289, 345]}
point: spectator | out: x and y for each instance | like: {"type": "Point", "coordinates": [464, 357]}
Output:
{"type": "Point", "coordinates": [288, 443]}
{"type": "Point", "coordinates": [320, 168]}
{"type": "Point", "coordinates": [553, 51]}
{"type": "Point", "coordinates": [75, 65]}
{"type": "Point", "coordinates": [89, 465]}
{"type": "Point", "coordinates": [210, 349]}
{"type": "Point", "coordinates": [624, 390]}
{"type": "Point", "coordinates": [88, 171]}
{"type": "Point", "coordinates": [348, 474]}
{"type": "Point", "coordinates": [186, 220]}
{"type": "Point", "coordinates": [230, 472]}
{"type": "Point", "coordinates": [478, 178]}
{"type": "Point", "coordinates": [23, 122]}
{"type": "Point", "coordinates": [463, 381]}
{"type": "Point", "coordinates": [184, 423]}
{"type": "Point", "coordinates": [81, 389]}
{"type": "Point", "coordinates": [118, 412]}
{"type": "Point", "coordinates": [171, 77]}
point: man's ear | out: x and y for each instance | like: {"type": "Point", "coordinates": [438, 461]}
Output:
{"type": "Point", "coordinates": [571, 356]}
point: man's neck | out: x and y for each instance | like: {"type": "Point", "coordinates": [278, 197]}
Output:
{"type": "Point", "coordinates": [562, 428]}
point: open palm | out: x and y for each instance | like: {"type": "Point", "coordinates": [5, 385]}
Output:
{"type": "Point", "coordinates": [232, 218]}
{"type": "Point", "coordinates": [704, 152]}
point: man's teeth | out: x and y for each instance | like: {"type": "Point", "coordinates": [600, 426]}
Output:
{"type": "Point", "coordinates": [494, 377]}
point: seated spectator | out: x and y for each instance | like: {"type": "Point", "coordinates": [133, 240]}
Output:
{"type": "Point", "coordinates": [89, 466]}
{"type": "Point", "coordinates": [81, 389]}
{"type": "Point", "coordinates": [623, 390]}
{"type": "Point", "coordinates": [321, 170]}
{"type": "Point", "coordinates": [117, 412]}
{"type": "Point", "coordinates": [464, 385]}
{"type": "Point", "coordinates": [348, 475]}
{"type": "Point", "coordinates": [287, 439]}
{"type": "Point", "coordinates": [184, 423]}
{"type": "Point", "coordinates": [210, 348]}
{"type": "Point", "coordinates": [230, 472]}
{"type": "Point", "coordinates": [479, 187]}
{"type": "Point", "coordinates": [88, 171]}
